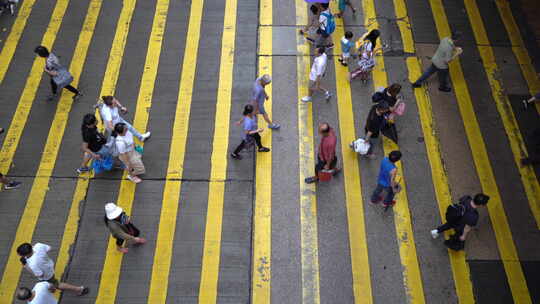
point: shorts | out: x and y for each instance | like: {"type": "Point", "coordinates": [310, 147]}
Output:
{"type": "Point", "coordinates": [262, 110]}
{"type": "Point", "coordinates": [53, 281]}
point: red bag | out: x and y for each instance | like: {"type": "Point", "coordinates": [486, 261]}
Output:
{"type": "Point", "coordinates": [325, 175]}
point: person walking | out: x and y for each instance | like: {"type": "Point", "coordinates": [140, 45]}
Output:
{"type": "Point", "coordinates": [342, 5]}
{"type": "Point", "coordinates": [461, 217]}
{"type": "Point", "coordinates": [9, 184]}
{"type": "Point", "coordinates": [110, 114]}
{"type": "Point", "coordinates": [326, 156]}
{"type": "Point", "coordinates": [446, 52]}
{"type": "Point", "coordinates": [94, 143]}
{"type": "Point", "coordinates": [534, 98]}
{"type": "Point", "coordinates": [60, 76]}
{"type": "Point", "coordinates": [327, 25]}
{"type": "Point", "coordinates": [318, 70]}
{"type": "Point", "coordinates": [131, 159]}
{"type": "Point", "coordinates": [386, 181]}
{"type": "Point", "coordinates": [346, 47]}
{"type": "Point", "coordinates": [376, 120]}
{"type": "Point", "coordinates": [35, 259]}
{"type": "Point", "coordinates": [121, 228]}
{"type": "Point", "coordinates": [366, 51]}
{"type": "Point", "coordinates": [40, 294]}
{"type": "Point", "coordinates": [258, 98]}
{"type": "Point", "coordinates": [251, 133]}
{"type": "Point", "coordinates": [391, 96]}
{"type": "Point", "coordinates": [313, 24]}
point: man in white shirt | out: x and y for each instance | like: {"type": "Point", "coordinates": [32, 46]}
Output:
{"type": "Point", "coordinates": [317, 72]}
{"type": "Point", "coordinates": [40, 294]}
{"type": "Point", "coordinates": [324, 39]}
{"type": "Point", "coordinates": [35, 259]}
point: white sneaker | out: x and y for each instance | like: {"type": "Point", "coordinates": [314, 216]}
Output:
{"type": "Point", "coordinates": [306, 99]}
{"type": "Point", "coordinates": [328, 95]}
{"type": "Point", "coordinates": [145, 136]}
{"type": "Point", "coordinates": [434, 233]}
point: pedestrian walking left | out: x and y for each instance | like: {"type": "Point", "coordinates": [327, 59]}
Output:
{"type": "Point", "coordinates": [94, 143]}
{"type": "Point", "coordinates": [127, 153]}
{"type": "Point", "coordinates": [326, 157]}
{"type": "Point", "coordinates": [36, 260]}
{"type": "Point", "coordinates": [250, 134]}
{"type": "Point", "coordinates": [60, 76]}
{"type": "Point", "coordinates": [318, 70]}
{"type": "Point", "coordinates": [387, 181]}
{"type": "Point", "coordinates": [258, 98]}
{"type": "Point", "coordinates": [40, 294]}
{"type": "Point", "coordinates": [9, 184]}
{"type": "Point", "coordinates": [121, 228]}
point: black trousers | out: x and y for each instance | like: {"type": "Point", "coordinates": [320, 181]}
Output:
{"type": "Point", "coordinates": [69, 87]}
{"type": "Point", "coordinates": [448, 226]}
{"type": "Point", "coordinates": [246, 141]}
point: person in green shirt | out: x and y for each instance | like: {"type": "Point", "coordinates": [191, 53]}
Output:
{"type": "Point", "coordinates": [445, 53]}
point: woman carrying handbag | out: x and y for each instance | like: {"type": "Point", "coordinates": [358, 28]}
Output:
{"type": "Point", "coordinates": [127, 153]}
{"type": "Point", "coordinates": [121, 227]}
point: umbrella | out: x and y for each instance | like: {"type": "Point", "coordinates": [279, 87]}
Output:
{"type": "Point", "coordinates": [317, 1]}
{"type": "Point", "coordinates": [390, 131]}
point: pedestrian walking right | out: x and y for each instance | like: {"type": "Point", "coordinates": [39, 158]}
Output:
{"type": "Point", "coordinates": [9, 184]}
{"type": "Point", "coordinates": [250, 134]}
{"type": "Point", "coordinates": [110, 111]}
{"type": "Point", "coordinates": [36, 260]}
{"type": "Point", "coordinates": [366, 54]}
{"type": "Point", "coordinates": [130, 157]}
{"type": "Point", "coordinates": [318, 70]}
{"type": "Point", "coordinates": [60, 76]}
{"type": "Point", "coordinates": [121, 228]}
{"type": "Point", "coordinates": [346, 47]}
{"type": "Point", "coordinates": [40, 294]}
{"type": "Point", "coordinates": [387, 181]}
{"type": "Point", "coordinates": [258, 98]}
{"type": "Point", "coordinates": [534, 98]}
{"type": "Point", "coordinates": [93, 145]}
{"type": "Point", "coordinates": [375, 122]}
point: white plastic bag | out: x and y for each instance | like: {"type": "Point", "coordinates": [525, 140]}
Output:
{"type": "Point", "coordinates": [361, 146]}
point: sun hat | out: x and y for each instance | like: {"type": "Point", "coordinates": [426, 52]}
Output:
{"type": "Point", "coordinates": [112, 211]}
{"type": "Point", "coordinates": [266, 78]}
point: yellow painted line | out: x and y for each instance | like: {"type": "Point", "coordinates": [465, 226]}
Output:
{"type": "Point", "coordinates": [353, 189]}
{"type": "Point", "coordinates": [173, 184]}
{"type": "Point", "coordinates": [107, 88]}
{"type": "Point", "coordinates": [113, 260]}
{"type": "Point", "coordinates": [519, 49]}
{"type": "Point", "coordinates": [460, 268]}
{"type": "Point", "coordinates": [412, 278]}
{"type": "Point", "coordinates": [507, 249]}
{"type": "Point", "coordinates": [26, 100]}
{"type": "Point", "coordinates": [40, 186]}
{"type": "Point", "coordinates": [14, 35]}
{"type": "Point", "coordinates": [262, 241]}
{"type": "Point", "coordinates": [517, 145]}
{"type": "Point", "coordinates": [218, 172]}
{"type": "Point", "coordinates": [308, 199]}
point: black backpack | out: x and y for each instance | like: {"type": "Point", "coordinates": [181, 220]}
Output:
{"type": "Point", "coordinates": [455, 212]}
{"type": "Point", "coordinates": [378, 96]}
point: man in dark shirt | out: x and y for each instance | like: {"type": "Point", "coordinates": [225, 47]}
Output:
{"type": "Point", "coordinates": [326, 158]}
{"type": "Point", "coordinates": [376, 120]}
{"type": "Point", "coordinates": [93, 145]}
{"type": "Point", "coordinates": [467, 221]}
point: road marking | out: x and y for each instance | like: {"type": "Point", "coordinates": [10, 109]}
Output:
{"type": "Point", "coordinates": [218, 173]}
{"type": "Point", "coordinates": [107, 88]}
{"type": "Point", "coordinates": [528, 177]}
{"type": "Point", "coordinates": [507, 249]}
{"type": "Point", "coordinates": [40, 186]}
{"type": "Point", "coordinates": [113, 260]}
{"type": "Point", "coordinates": [518, 47]}
{"type": "Point", "coordinates": [308, 199]}
{"type": "Point", "coordinates": [173, 183]}
{"type": "Point", "coordinates": [353, 190]}
{"type": "Point", "coordinates": [13, 134]}
{"type": "Point", "coordinates": [460, 269]}
{"type": "Point", "coordinates": [412, 278]}
{"type": "Point", "coordinates": [262, 243]}
{"type": "Point", "coordinates": [14, 35]}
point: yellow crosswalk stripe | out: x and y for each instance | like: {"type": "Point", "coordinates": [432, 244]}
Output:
{"type": "Point", "coordinates": [173, 184]}
{"type": "Point", "coordinates": [528, 177]}
{"type": "Point", "coordinates": [26, 100]}
{"type": "Point", "coordinates": [107, 88]}
{"type": "Point", "coordinates": [518, 47]}
{"type": "Point", "coordinates": [113, 260]}
{"type": "Point", "coordinates": [460, 269]}
{"type": "Point", "coordinates": [507, 249]}
{"type": "Point", "coordinates": [407, 249]}
{"type": "Point", "coordinates": [262, 243]}
{"type": "Point", "coordinates": [353, 190]}
{"type": "Point", "coordinates": [308, 199]}
{"type": "Point", "coordinates": [14, 35]}
{"type": "Point", "coordinates": [218, 172]}
{"type": "Point", "coordinates": [39, 189]}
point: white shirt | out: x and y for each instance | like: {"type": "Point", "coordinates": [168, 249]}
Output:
{"type": "Point", "coordinates": [110, 114]}
{"type": "Point", "coordinates": [41, 265]}
{"type": "Point", "coordinates": [319, 67]}
{"type": "Point", "coordinates": [42, 294]}
{"type": "Point", "coordinates": [124, 143]}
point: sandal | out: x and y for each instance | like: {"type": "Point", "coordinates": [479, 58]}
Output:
{"type": "Point", "coordinates": [134, 179]}
{"type": "Point", "coordinates": [310, 180]}
{"type": "Point", "coordinates": [84, 290]}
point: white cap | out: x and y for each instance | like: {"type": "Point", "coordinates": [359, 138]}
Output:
{"type": "Point", "coordinates": [112, 211]}
{"type": "Point", "coordinates": [266, 78]}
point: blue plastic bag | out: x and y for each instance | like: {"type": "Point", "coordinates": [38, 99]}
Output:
{"type": "Point", "coordinates": [103, 164]}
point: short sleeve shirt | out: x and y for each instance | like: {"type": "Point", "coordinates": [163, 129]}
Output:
{"type": "Point", "coordinates": [93, 138]}
{"type": "Point", "coordinates": [52, 62]}
{"type": "Point", "coordinates": [444, 53]}
{"type": "Point", "coordinates": [41, 265]}
{"type": "Point", "coordinates": [384, 173]}
{"type": "Point", "coordinates": [125, 143]}
{"type": "Point", "coordinates": [319, 67]}
{"type": "Point", "coordinates": [470, 217]}
{"type": "Point", "coordinates": [250, 124]}
{"type": "Point", "coordinates": [42, 294]}
{"type": "Point", "coordinates": [259, 95]}
{"type": "Point", "coordinates": [346, 45]}
{"type": "Point", "coordinates": [374, 122]}
{"type": "Point", "coordinates": [110, 114]}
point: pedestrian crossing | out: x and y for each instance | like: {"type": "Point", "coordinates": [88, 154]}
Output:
{"type": "Point", "coordinates": [231, 273]}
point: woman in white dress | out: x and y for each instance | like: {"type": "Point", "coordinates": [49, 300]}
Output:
{"type": "Point", "coordinates": [366, 53]}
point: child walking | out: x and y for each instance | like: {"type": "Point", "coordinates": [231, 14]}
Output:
{"type": "Point", "coordinates": [346, 46]}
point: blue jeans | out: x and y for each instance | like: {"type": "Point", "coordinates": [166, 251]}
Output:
{"type": "Point", "coordinates": [441, 73]}
{"type": "Point", "coordinates": [376, 196]}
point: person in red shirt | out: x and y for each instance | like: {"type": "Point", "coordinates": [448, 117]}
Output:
{"type": "Point", "coordinates": [326, 158]}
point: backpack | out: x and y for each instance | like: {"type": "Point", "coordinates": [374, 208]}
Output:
{"type": "Point", "coordinates": [330, 23]}
{"type": "Point", "coordinates": [455, 212]}
{"type": "Point", "coordinates": [378, 96]}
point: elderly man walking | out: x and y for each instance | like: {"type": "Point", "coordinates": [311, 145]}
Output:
{"type": "Point", "coordinates": [40, 294]}
{"type": "Point", "coordinates": [259, 97]}
{"type": "Point", "coordinates": [326, 158]}
{"type": "Point", "coordinates": [446, 52]}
